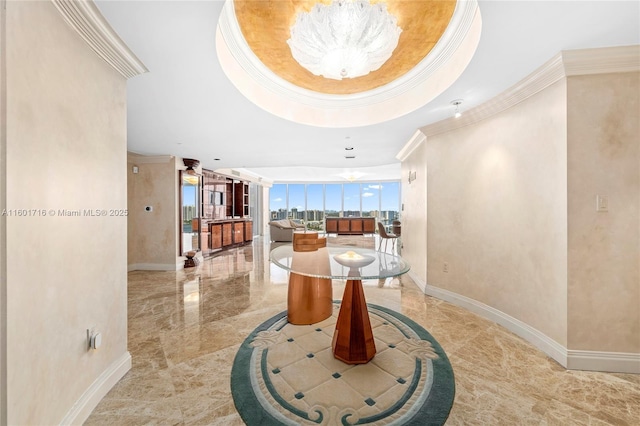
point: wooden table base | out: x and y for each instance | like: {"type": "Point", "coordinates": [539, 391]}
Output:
{"type": "Point", "coordinates": [309, 299]}
{"type": "Point", "coordinates": [353, 339]}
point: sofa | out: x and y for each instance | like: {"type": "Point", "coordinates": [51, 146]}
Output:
{"type": "Point", "coordinates": [282, 230]}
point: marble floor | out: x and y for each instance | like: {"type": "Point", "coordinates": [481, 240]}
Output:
{"type": "Point", "coordinates": [185, 328]}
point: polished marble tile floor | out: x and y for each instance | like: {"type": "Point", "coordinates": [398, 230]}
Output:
{"type": "Point", "coordinates": [185, 328]}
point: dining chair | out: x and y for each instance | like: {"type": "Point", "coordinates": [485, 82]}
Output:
{"type": "Point", "coordinates": [384, 235]}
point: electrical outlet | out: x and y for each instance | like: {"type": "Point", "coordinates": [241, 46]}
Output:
{"type": "Point", "coordinates": [445, 267]}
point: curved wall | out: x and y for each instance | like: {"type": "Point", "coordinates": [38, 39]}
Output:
{"type": "Point", "coordinates": [510, 210]}
{"type": "Point", "coordinates": [65, 260]}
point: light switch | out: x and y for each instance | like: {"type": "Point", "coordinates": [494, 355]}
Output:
{"type": "Point", "coordinates": [602, 203]}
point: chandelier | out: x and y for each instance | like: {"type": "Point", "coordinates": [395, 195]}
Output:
{"type": "Point", "coordinates": [346, 39]}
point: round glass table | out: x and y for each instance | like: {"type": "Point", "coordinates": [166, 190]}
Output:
{"type": "Point", "coordinates": [310, 294]}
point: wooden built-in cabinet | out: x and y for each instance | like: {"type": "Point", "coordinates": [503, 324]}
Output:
{"type": "Point", "coordinates": [216, 235]}
{"type": "Point", "coordinates": [225, 213]}
{"type": "Point", "coordinates": [248, 231]}
{"type": "Point", "coordinates": [238, 232]}
{"type": "Point", "coordinates": [227, 233]}
{"type": "Point", "coordinates": [350, 225]}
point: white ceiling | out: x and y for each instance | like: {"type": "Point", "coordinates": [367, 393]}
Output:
{"type": "Point", "coordinates": [186, 106]}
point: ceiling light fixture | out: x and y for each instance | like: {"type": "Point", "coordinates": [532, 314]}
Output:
{"type": "Point", "coordinates": [457, 112]}
{"type": "Point", "coordinates": [346, 39]}
{"type": "Point", "coordinates": [191, 166]}
{"type": "Point", "coordinates": [351, 175]}
{"type": "Point", "coordinates": [349, 148]}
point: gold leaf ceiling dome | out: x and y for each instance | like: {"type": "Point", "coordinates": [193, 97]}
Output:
{"type": "Point", "coordinates": [437, 42]}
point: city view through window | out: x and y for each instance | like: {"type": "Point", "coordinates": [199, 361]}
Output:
{"type": "Point", "coordinates": [309, 204]}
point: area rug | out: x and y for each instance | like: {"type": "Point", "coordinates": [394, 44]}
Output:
{"type": "Point", "coordinates": [285, 374]}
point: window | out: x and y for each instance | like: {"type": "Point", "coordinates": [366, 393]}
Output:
{"type": "Point", "coordinates": [351, 200]}
{"type": "Point", "coordinates": [389, 202]}
{"type": "Point", "coordinates": [296, 203]}
{"type": "Point", "coordinates": [333, 200]}
{"type": "Point", "coordinates": [315, 207]}
{"type": "Point", "coordinates": [311, 203]}
{"type": "Point", "coordinates": [371, 199]}
{"type": "Point", "coordinates": [278, 201]}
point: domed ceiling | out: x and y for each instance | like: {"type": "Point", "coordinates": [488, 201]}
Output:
{"type": "Point", "coordinates": [437, 42]}
{"type": "Point", "coordinates": [266, 25]}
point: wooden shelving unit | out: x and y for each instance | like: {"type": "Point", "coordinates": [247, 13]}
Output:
{"type": "Point", "coordinates": [225, 213]}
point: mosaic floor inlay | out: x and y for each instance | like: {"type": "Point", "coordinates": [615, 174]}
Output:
{"type": "Point", "coordinates": [286, 374]}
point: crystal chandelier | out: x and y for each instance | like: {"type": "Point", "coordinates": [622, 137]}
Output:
{"type": "Point", "coordinates": [346, 39]}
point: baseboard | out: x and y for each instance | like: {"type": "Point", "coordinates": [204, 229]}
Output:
{"type": "Point", "coordinates": [98, 389]}
{"type": "Point", "coordinates": [528, 333]}
{"type": "Point", "coordinates": [152, 267]}
{"type": "Point", "coordinates": [614, 362]}
{"type": "Point", "coordinates": [419, 282]}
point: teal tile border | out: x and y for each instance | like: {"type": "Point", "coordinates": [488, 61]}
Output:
{"type": "Point", "coordinates": [431, 407]}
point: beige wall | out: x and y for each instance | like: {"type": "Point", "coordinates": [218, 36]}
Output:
{"type": "Point", "coordinates": [3, 218]}
{"type": "Point", "coordinates": [511, 208]}
{"type": "Point", "coordinates": [496, 212]}
{"type": "Point", "coordinates": [153, 236]}
{"type": "Point", "coordinates": [414, 212]}
{"type": "Point", "coordinates": [66, 150]}
{"type": "Point", "coordinates": [604, 247]}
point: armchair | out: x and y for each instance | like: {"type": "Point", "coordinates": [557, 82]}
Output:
{"type": "Point", "coordinates": [282, 230]}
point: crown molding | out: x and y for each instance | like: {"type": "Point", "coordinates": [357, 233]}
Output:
{"type": "Point", "coordinates": [415, 141]}
{"type": "Point", "coordinates": [85, 18]}
{"type": "Point", "coordinates": [602, 60]}
{"type": "Point", "coordinates": [564, 64]}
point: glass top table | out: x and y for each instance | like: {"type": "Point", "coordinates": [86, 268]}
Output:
{"type": "Point", "coordinates": [310, 292]}
{"type": "Point", "coordinates": [343, 262]}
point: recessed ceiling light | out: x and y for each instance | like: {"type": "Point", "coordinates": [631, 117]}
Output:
{"type": "Point", "coordinates": [349, 148]}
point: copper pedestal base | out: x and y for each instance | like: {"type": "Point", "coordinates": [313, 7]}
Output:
{"type": "Point", "coordinates": [353, 339]}
{"type": "Point", "coordinates": [309, 299]}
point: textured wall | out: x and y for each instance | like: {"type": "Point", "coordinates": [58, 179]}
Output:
{"type": "Point", "coordinates": [414, 213]}
{"type": "Point", "coordinates": [66, 150]}
{"type": "Point", "coordinates": [496, 211]}
{"type": "Point", "coordinates": [604, 247]}
{"type": "Point", "coordinates": [511, 209]}
{"type": "Point", "coordinates": [153, 236]}
{"type": "Point", "coordinates": [3, 219]}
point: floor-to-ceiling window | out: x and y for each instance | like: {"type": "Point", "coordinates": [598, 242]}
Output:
{"type": "Point", "coordinates": [311, 203]}
{"type": "Point", "coordinates": [315, 207]}
{"type": "Point", "coordinates": [333, 200]}
{"type": "Point", "coordinates": [351, 197]}
{"type": "Point", "coordinates": [296, 202]}
{"type": "Point", "coordinates": [371, 199]}
{"type": "Point", "coordinates": [278, 202]}
{"type": "Point", "coordinates": [389, 203]}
